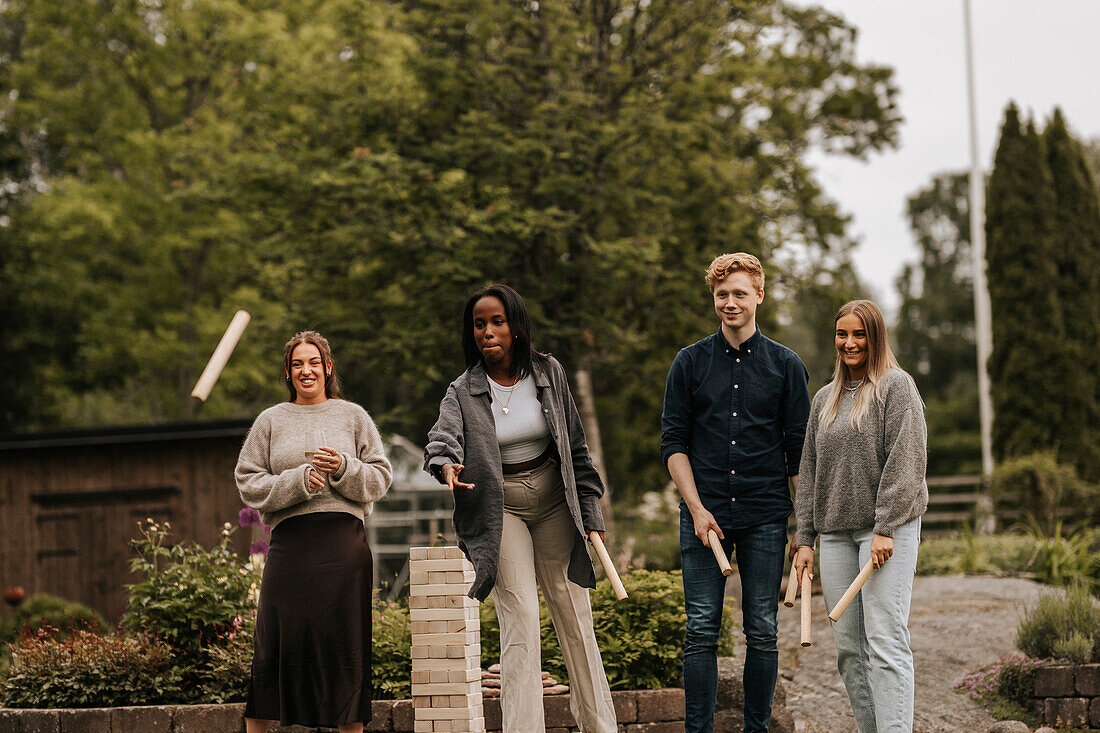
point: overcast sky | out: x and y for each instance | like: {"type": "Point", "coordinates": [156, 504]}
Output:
{"type": "Point", "coordinates": [1039, 54]}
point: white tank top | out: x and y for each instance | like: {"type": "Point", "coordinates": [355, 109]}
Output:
{"type": "Point", "coordinates": [522, 431]}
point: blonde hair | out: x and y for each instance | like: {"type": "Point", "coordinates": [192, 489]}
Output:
{"type": "Point", "coordinates": [880, 360]}
{"type": "Point", "coordinates": [725, 265]}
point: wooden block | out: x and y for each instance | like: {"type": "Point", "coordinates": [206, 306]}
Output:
{"type": "Point", "coordinates": [472, 725]}
{"type": "Point", "coordinates": [418, 553]}
{"type": "Point", "coordinates": [447, 663]}
{"type": "Point", "coordinates": [445, 639]}
{"type": "Point", "coordinates": [463, 675]}
{"type": "Point", "coordinates": [423, 726]}
{"type": "Point", "coordinates": [458, 689]}
{"type": "Point", "coordinates": [442, 602]}
{"type": "Point", "coordinates": [454, 552]}
{"type": "Point", "coordinates": [443, 614]}
{"type": "Point", "coordinates": [467, 700]}
{"type": "Point", "coordinates": [418, 578]}
{"type": "Point", "coordinates": [439, 589]}
{"type": "Point", "coordinates": [438, 675]}
{"type": "Point", "coordinates": [437, 553]}
{"type": "Point", "coordinates": [441, 726]}
{"type": "Point", "coordinates": [422, 701]}
{"type": "Point", "coordinates": [463, 651]}
{"type": "Point", "coordinates": [439, 565]}
{"type": "Point", "coordinates": [421, 678]}
{"type": "Point", "coordinates": [444, 714]}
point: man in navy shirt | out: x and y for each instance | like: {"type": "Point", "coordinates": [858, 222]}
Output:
{"type": "Point", "coordinates": [735, 413]}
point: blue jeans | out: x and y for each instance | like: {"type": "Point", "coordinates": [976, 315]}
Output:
{"type": "Point", "coordinates": [872, 637]}
{"type": "Point", "coordinates": [760, 556]}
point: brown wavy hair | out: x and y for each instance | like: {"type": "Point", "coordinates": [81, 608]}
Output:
{"type": "Point", "coordinates": [332, 381]}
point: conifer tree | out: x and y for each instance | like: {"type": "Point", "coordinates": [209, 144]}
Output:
{"type": "Point", "coordinates": [1028, 330]}
{"type": "Point", "coordinates": [1077, 254]}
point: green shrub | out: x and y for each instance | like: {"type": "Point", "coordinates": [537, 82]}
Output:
{"type": "Point", "coordinates": [1006, 688]}
{"type": "Point", "coordinates": [90, 670]}
{"type": "Point", "coordinates": [641, 638]}
{"type": "Point", "coordinates": [1044, 490]}
{"type": "Point", "coordinates": [391, 664]}
{"type": "Point", "coordinates": [1057, 623]}
{"type": "Point", "coordinates": [223, 677]}
{"type": "Point", "coordinates": [188, 596]}
{"type": "Point", "coordinates": [56, 616]}
{"type": "Point", "coordinates": [1066, 560]}
{"type": "Point", "coordinates": [975, 554]}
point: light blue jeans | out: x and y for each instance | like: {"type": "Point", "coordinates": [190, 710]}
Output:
{"type": "Point", "coordinates": [872, 637]}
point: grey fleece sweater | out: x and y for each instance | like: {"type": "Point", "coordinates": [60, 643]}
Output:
{"type": "Point", "coordinates": [273, 472]}
{"type": "Point", "coordinates": [872, 478]}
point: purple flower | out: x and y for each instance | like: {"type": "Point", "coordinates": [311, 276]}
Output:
{"type": "Point", "coordinates": [249, 517]}
{"type": "Point", "coordinates": [259, 547]}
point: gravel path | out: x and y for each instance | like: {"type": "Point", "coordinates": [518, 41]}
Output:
{"type": "Point", "coordinates": [957, 623]}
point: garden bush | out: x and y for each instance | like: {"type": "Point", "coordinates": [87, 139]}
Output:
{"type": "Point", "coordinates": [1059, 625]}
{"type": "Point", "coordinates": [188, 596]}
{"type": "Point", "coordinates": [974, 554]}
{"type": "Point", "coordinates": [1045, 491]}
{"type": "Point", "coordinates": [87, 669]}
{"type": "Point", "coordinates": [56, 616]}
{"type": "Point", "coordinates": [641, 638]}
{"type": "Point", "coordinates": [1065, 560]}
{"type": "Point", "coordinates": [1006, 688]}
{"type": "Point", "coordinates": [391, 667]}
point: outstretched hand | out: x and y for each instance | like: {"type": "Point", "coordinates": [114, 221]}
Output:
{"type": "Point", "coordinates": [450, 473]}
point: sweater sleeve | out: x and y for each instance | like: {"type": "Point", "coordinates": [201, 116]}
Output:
{"type": "Point", "coordinates": [258, 486]}
{"type": "Point", "coordinates": [807, 483]}
{"type": "Point", "coordinates": [365, 476]}
{"type": "Point", "coordinates": [903, 475]}
{"type": "Point", "coordinates": [445, 441]}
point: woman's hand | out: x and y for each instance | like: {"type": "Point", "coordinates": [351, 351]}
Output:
{"type": "Point", "coordinates": [328, 461]}
{"type": "Point", "coordinates": [316, 481]}
{"type": "Point", "coordinates": [450, 473]}
{"type": "Point", "coordinates": [881, 550]}
{"type": "Point", "coordinates": [804, 560]}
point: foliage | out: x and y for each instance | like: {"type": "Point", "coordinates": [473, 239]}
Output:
{"type": "Point", "coordinates": [391, 664]}
{"type": "Point", "coordinates": [224, 675]}
{"type": "Point", "coordinates": [1005, 688]}
{"type": "Point", "coordinates": [321, 163]}
{"type": "Point", "coordinates": [641, 638]}
{"type": "Point", "coordinates": [1066, 560]}
{"type": "Point", "coordinates": [56, 616]}
{"type": "Point", "coordinates": [1057, 622]}
{"type": "Point", "coordinates": [975, 554]}
{"type": "Point", "coordinates": [1045, 491]}
{"type": "Point", "coordinates": [644, 537]}
{"type": "Point", "coordinates": [1043, 259]}
{"type": "Point", "coordinates": [90, 670]}
{"type": "Point", "coordinates": [934, 335]}
{"type": "Point", "coordinates": [188, 596]}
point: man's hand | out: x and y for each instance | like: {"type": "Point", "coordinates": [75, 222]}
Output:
{"type": "Point", "coordinates": [704, 521]}
{"type": "Point", "coordinates": [882, 548]}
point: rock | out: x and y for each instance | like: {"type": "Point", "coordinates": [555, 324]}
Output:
{"type": "Point", "coordinates": [556, 690]}
{"type": "Point", "coordinates": [1045, 729]}
{"type": "Point", "coordinates": [1009, 726]}
{"type": "Point", "coordinates": [494, 668]}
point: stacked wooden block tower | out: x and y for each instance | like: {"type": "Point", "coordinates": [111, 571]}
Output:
{"type": "Point", "coordinates": [446, 642]}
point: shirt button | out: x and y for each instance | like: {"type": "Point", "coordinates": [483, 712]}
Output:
{"type": "Point", "coordinates": [733, 442]}
{"type": "Point", "coordinates": [738, 361]}
{"type": "Point", "coordinates": [733, 472]}
{"type": "Point", "coordinates": [545, 410]}
{"type": "Point", "coordinates": [735, 414]}
{"type": "Point", "coordinates": [733, 498]}
{"type": "Point", "coordinates": [737, 386]}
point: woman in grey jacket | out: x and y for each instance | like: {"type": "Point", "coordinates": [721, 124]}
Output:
{"type": "Point", "coordinates": [509, 444]}
{"type": "Point", "coordinates": [862, 490]}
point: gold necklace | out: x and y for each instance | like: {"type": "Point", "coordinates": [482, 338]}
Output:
{"type": "Point", "coordinates": [502, 388]}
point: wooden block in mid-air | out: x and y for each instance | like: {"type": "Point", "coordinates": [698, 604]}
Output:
{"type": "Point", "coordinates": [220, 356]}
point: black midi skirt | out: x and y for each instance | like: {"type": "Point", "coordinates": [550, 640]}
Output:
{"type": "Point", "coordinates": [311, 664]}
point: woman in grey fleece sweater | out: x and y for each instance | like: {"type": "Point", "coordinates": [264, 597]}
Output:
{"type": "Point", "coordinates": [313, 467]}
{"type": "Point", "coordinates": [862, 491]}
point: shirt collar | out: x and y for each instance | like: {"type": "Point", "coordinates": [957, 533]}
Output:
{"type": "Point", "coordinates": [479, 380]}
{"type": "Point", "coordinates": [747, 345]}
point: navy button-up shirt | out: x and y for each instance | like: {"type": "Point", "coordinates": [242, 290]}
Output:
{"type": "Point", "coordinates": [740, 417]}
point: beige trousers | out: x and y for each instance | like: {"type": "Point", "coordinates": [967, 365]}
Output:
{"type": "Point", "coordinates": [534, 547]}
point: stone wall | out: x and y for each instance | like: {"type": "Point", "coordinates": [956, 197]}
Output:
{"type": "Point", "coordinates": [1069, 696]}
{"type": "Point", "coordinates": [641, 711]}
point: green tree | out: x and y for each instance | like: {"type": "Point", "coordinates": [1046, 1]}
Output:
{"type": "Point", "coordinates": [934, 336]}
{"type": "Point", "coordinates": [1028, 330]}
{"type": "Point", "coordinates": [1077, 254]}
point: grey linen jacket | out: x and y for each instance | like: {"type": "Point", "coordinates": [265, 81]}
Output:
{"type": "Point", "coordinates": [465, 433]}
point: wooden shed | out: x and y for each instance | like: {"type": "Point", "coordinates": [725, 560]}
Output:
{"type": "Point", "coordinates": [71, 501]}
